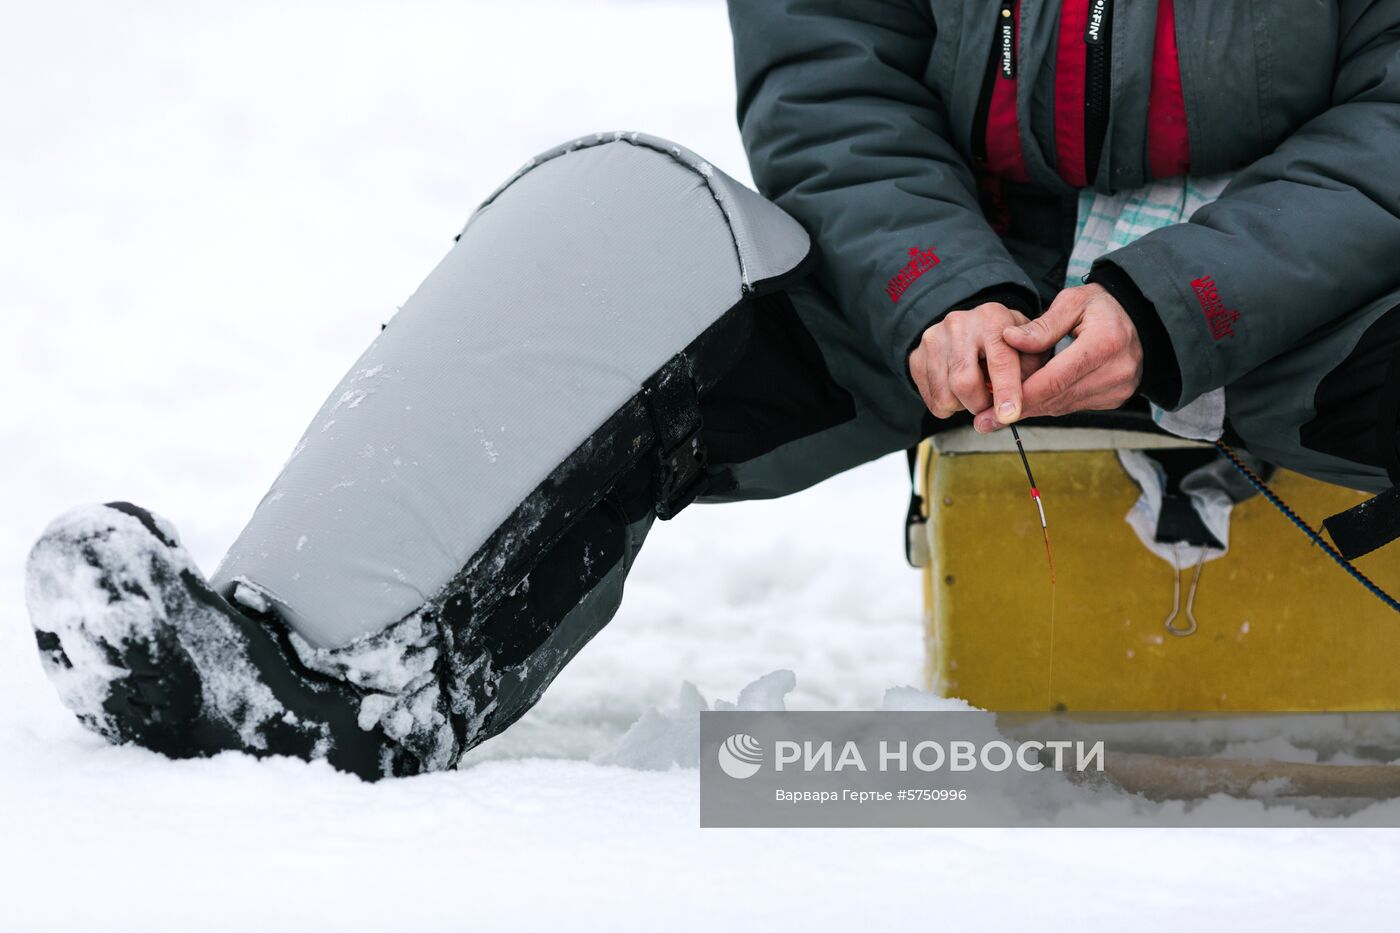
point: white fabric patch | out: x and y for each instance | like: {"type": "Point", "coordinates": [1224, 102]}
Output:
{"type": "Point", "coordinates": [1211, 504]}
{"type": "Point", "coordinates": [1201, 420]}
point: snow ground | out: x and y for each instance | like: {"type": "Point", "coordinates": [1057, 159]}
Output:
{"type": "Point", "coordinates": [206, 214]}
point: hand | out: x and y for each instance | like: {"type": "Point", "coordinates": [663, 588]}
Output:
{"type": "Point", "coordinates": [1099, 371]}
{"type": "Point", "coordinates": [948, 364]}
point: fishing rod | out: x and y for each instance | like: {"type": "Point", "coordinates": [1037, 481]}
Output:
{"type": "Point", "coordinates": [1035, 497]}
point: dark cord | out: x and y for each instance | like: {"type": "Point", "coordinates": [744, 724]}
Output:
{"type": "Point", "coordinates": [1292, 516]}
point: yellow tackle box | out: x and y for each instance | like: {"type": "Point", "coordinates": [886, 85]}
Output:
{"type": "Point", "coordinates": [1279, 626]}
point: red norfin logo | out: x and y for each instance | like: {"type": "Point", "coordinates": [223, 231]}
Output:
{"type": "Point", "coordinates": [920, 261]}
{"type": "Point", "coordinates": [1221, 319]}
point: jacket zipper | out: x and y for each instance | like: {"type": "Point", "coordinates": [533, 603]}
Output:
{"type": "Point", "coordinates": [1003, 62]}
{"type": "Point", "coordinates": [1098, 57]}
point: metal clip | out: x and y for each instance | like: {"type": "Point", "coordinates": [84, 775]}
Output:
{"type": "Point", "coordinates": [1190, 628]}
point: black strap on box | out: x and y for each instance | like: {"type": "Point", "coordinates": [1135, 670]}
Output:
{"type": "Point", "coordinates": [1375, 523]}
{"type": "Point", "coordinates": [1363, 528]}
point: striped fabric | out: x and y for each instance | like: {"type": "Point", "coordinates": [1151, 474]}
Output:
{"type": "Point", "coordinates": [1109, 221]}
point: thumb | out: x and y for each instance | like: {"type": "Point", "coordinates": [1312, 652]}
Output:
{"type": "Point", "coordinates": [1041, 335]}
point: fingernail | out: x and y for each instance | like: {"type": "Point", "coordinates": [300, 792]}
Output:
{"type": "Point", "coordinates": [1006, 409]}
{"type": "Point", "coordinates": [984, 425]}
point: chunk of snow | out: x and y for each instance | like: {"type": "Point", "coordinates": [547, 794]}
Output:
{"type": "Point", "coordinates": [670, 738]}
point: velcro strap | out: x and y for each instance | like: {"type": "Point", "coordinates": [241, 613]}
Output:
{"type": "Point", "coordinates": [674, 407]}
{"type": "Point", "coordinates": [1363, 528]}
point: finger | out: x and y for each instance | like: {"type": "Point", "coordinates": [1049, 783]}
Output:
{"type": "Point", "coordinates": [937, 401]}
{"type": "Point", "coordinates": [1041, 335]}
{"type": "Point", "coordinates": [1032, 362]}
{"type": "Point", "coordinates": [966, 380]}
{"type": "Point", "coordinates": [959, 379]}
{"type": "Point", "coordinates": [1056, 385]}
{"type": "Point", "coordinates": [985, 422]}
{"type": "Point", "coordinates": [1096, 379]}
{"type": "Point", "coordinates": [1098, 390]}
{"type": "Point", "coordinates": [1104, 388]}
{"type": "Point", "coordinates": [1004, 370]}
{"type": "Point", "coordinates": [929, 372]}
{"type": "Point", "coordinates": [945, 403]}
{"type": "Point", "coordinates": [924, 366]}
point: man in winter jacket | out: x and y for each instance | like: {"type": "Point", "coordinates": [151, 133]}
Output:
{"type": "Point", "coordinates": [459, 518]}
{"type": "Point", "coordinates": [966, 128]}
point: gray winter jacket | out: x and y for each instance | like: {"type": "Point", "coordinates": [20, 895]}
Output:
{"type": "Point", "coordinates": [933, 148]}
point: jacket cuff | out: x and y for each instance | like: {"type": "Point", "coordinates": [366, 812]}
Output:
{"type": "Point", "coordinates": [1014, 296]}
{"type": "Point", "coordinates": [1161, 375]}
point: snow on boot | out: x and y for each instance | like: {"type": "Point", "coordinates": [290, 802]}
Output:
{"type": "Point", "coordinates": [460, 516]}
{"type": "Point", "coordinates": [144, 651]}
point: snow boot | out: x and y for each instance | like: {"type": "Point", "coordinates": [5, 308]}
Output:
{"type": "Point", "coordinates": [144, 651]}
{"type": "Point", "coordinates": [459, 517]}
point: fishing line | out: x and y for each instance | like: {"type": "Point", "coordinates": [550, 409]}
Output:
{"type": "Point", "coordinates": [1050, 559]}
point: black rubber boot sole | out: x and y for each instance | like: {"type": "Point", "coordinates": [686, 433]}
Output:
{"type": "Point", "coordinates": [144, 651]}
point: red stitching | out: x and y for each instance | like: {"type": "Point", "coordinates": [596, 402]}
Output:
{"type": "Point", "coordinates": [1220, 318]}
{"type": "Point", "coordinates": [920, 261]}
